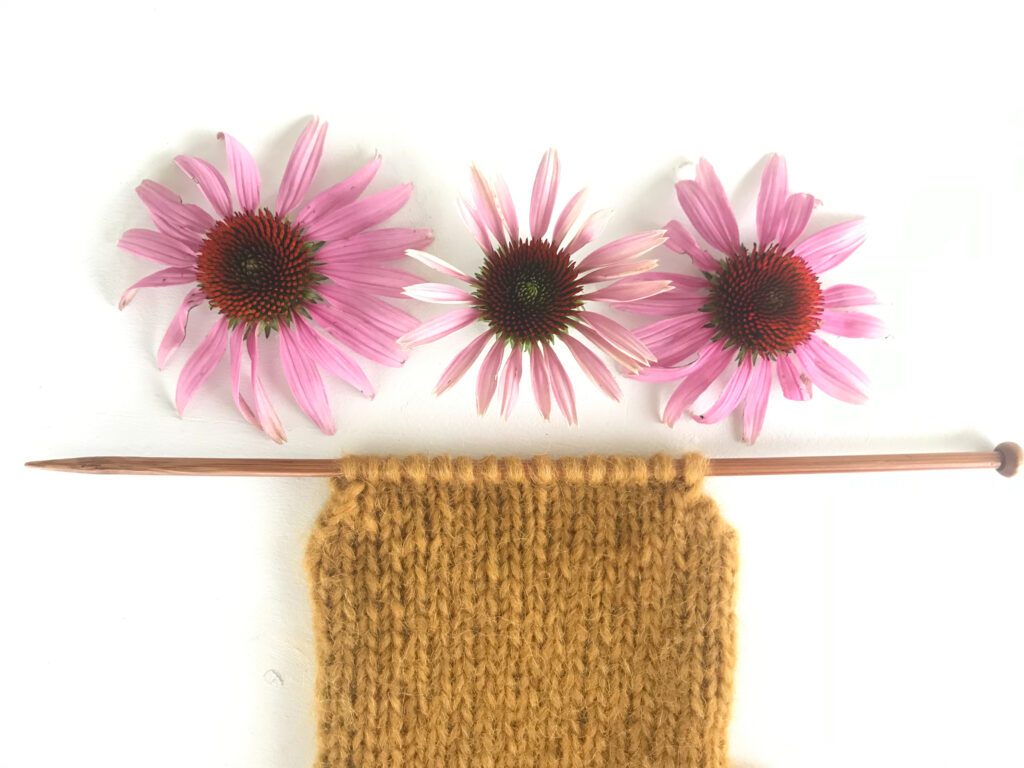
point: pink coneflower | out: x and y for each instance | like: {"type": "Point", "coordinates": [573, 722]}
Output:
{"type": "Point", "coordinates": [759, 309]}
{"type": "Point", "coordinates": [312, 275]}
{"type": "Point", "coordinates": [531, 292]}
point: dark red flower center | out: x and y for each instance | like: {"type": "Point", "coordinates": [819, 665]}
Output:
{"type": "Point", "coordinates": [528, 291]}
{"type": "Point", "coordinates": [764, 301]}
{"type": "Point", "coordinates": [256, 268]}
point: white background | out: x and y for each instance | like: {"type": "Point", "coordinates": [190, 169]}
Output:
{"type": "Point", "coordinates": [165, 621]}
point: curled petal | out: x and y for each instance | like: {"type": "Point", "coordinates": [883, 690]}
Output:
{"type": "Point", "coordinates": [244, 172]}
{"type": "Point", "coordinates": [831, 246]}
{"type": "Point", "coordinates": [625, 359]}
{"type": "Point", "coordinates": [567, 218]}
{"type": "Point", "coordinates": [592, 366]}
{"type": "Point", "coordinates": [438, 327]}
{"type": "Point", "coordinates": [201, 363]}
{"type": "Point", "coordinates": [438, 293]}
{"type": "Point", "coordinates": [339, 195]}
{"type": "Point", "coordinates": [622, 250]}
{"type": "Point", "coordinates": [362, 332]}
{"type": "Point", "coordinates": [186, 223]}
{"type": "Point", "coordinates": [681, 241]}
{"type": "Point", "coordinates": [160, 279]}
{"type": "Point", "coordinates": [617, 334]}
{"type": "Point", "coordinates": [175, 334]}
{"type": "Point", "coordinates": [382, 281]}
{"type": "Point", "coordinates": [845, 295]}
{"type": "Point", "coordinates": [539, 381]}
{"type": "Point", "coordinates": [771, 200]}
{"type": "Point", "coordinates": [561, 386]}
{"type": "Point", "coordinates": [462, 362]}
{"type": "Point", "coordinates": [386, 244]}
{"type": "Point", "coordinates": [794, 382]}
{"type": "Point", "coordinates": [794, 218]}
{"type": "Point", "coordinates": [720, 208]}
{"type": "Point", "coordinates": [698, 377]}
{"type": "Point", "coordinates": [830, 378]}
{"type": "Point", "coordinates": [235, 356]}
{"type": "Point", "coordinates": [629, 291]}
{"type": "Point", "coordinates": [301, 168]}
{"type": "Point", "coordinates": [731, 395]}
{"type": "Point", "coordinates": [855, 325]}
{"type": "Point", "coordinates": [545, 187]}
{"type": "Point", "coordinates": [474, 225]}
{"type": "Point", "coordinates": [262, 407]}
{"type": "Point", "coordinates": [331, 359]}
{"type": "Point", "coordinates": [591, 228]}
{"type": "Point", "coordinates": [487, 378]}
{"type": "Point", "coordinates": [304, 381]}
{"type": "Point", "coordinates": [510, 378]}
{"type": "Point", "coordinates": [158, 247]}
{"type": "Point", "coordinates": [438, 264]}
{"type": "Point", "coordinates": [658, 374]}
{"type": "Point", "coordinates": [618, 271]}
{"type": "Point", "coordinates": [756, 404]}
{"type": "Point", "coordinates": [210, 182]}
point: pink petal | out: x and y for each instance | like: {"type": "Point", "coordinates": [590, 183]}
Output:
{"type": "Point", "coordinates": [719, 204]}
{"type": "Point", "coordinates": [376, 244]}
{"type": "Point", "coordinates": [388, 319]}
{"type": "Point", "coordinates": [844, 295]}
{"type": "Point", "coordinates": [698, 377]}
{"type": "Point", "coordinates": [626, 360]}
{"type": "Point", "coordinates": [185, 223]}
{"type": "Point", "coordinates": [617, 334]}
{"type": "Point", "coordinates": [475, 226]}
{"type": "Point", "coordinates": [657, 374]}
{"type": "Point", "coordinates": [244, 172]}
{"type": "Point", "coordinates": [175, 334]}
{"type": "Point", "coordinates": [545, 187]}
{"type": "Point", "coordinates": [382, 281]}
{"type": "Point", "coordinates": [235, 356]}
{"type": "Point", "coordinates": [201, 363]}
{"type": "Point", "coordinates": [160, 279]}
{"type": "Point", "coordinates": [304, 381]}
{"type": "Point", "coordinates": [438, 327]}
{"type": "Point", "coordinates": [439, 264]}
{"type": "Point", "coordinates": [438, 293]}
{"type": "Point", "coordinates": [824, 351]}
{"type": "Point", "coordinates": [592, 366]}
{"type": "Point", "coordinates": [731, 395]}
{"type": "Point", "coordinates": [856, 325]}
{"type": "Point", "coordinates": [353, 218]}
{"type": "Point", "coordinates": [539, 381]}
{"type": "Point", "coordinates": [670, 329]}
{"type": "Point", "coordinates": [301, 168]}
{"type": "Point", "coordinates": [622, 250]}
{"type": "Point", "coordinates": [209, 181]}
{"type": "Point", "coordinates": [362, 333]}
{"type": "Point", "coordinates": [795, 383]}
{"type": "Point", "coordinates": [794, 218]}
{"type": "Point", "coordinates": [633, 291]}
{"type": "Point", "coordinates": [591, 228]}
{"type": "Point", "coordinates": [487, 378]}
{"type": "Point", "coordinates": [771, 200]}
{"type": "Point", "coordinates": [561, 387]}
{"type": "Point", "coordinates": [567, 218]}
{"type": "Point", "coordinates": [158, 247]}
{"type": "Point", "coordinates": [462, 362]}
{"type": "Point", "coordinates": [263, 408]}
{"type": "Point", "coordinates": [681, 241]}
{"type": "Point", "coordinates": [669, 303]}
{"type": "Point", "coordinates": [831, 379]}
{"type": "Point", "coordinates": [508, 208]}
{"type": "Point", "coordinates": [831, 246]}
{"type": "Point", "coordinates": [329, 358]}
{"type": "Point", "coordinates": [510, 378]}
{"type": "Point", "coordinates": [486, 207]}
{"type": "Point", "coordinates": [339, 195]}
{"type": "Point", "coordinates": [756, 404]}
{"type": "Point", "coordinates": [618, 271]}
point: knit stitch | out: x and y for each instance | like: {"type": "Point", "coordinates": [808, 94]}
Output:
{"type": "Point", "coordinates": [502, 612]}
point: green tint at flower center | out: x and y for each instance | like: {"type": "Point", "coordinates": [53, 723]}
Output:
{"type": "Point", "coordinates": [527, 291]}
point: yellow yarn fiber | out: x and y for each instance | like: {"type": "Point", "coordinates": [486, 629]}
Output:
{"type": "Point", "coordinates": [501, 612]}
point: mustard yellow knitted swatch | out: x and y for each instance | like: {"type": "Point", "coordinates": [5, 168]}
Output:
{"type": "Point", "coordinates": [501, 612]}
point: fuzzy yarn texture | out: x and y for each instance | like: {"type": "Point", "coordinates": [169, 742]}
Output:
{"type": "Point", "coordinates": [508, 612]}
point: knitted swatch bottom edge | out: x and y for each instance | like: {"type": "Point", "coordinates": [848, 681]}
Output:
{"type": "Point", "coordinates": [507, 612]}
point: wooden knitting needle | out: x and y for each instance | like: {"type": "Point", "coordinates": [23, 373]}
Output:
{"type": "Point", "coordinates": [1005, 459]}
